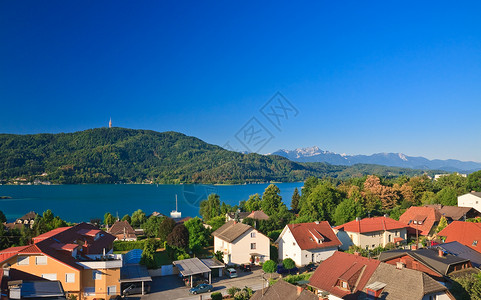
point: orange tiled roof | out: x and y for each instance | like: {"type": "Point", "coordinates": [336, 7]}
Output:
{"type": "Point", "coordinates": [308, 234]}
{"type": "Point", "coordinates": [426, 217]}
{"type": "Point", "coordinates": [355, 270]}
{"type": "Point", "coordinates": [371, 224]}
{"type": "Point", "coordinates": [59, 243]}
{"type": "Point", "coordinates": [466, 233]}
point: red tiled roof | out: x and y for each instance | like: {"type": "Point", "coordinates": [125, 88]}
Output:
{"type": "Point", "coordinates": [355, 270]}
{"type": "Point", "coordinates": [426, 216]}
{"type": "Point", "coordinates": [9, 252]}
{"type": "Point", "coordinates": [308, 234]}
{"type": "Point", "coordinates": [371, 224]}
{"type": "Point", "coordinates": [89, 232]}
{"type": "Point", "coordinates": [466, 233]}
{"type": "Point", "coordinates": [30, 249]}
{"type": "Point", "coordinates": [53, 244]}
{"type": "Point", "coordinates": [49, 234]}
{"type": "Point", "coordinates": [398, 239]}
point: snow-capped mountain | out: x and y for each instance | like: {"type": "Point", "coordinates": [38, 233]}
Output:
{"type": "Point", "coordinates": [315, 154]}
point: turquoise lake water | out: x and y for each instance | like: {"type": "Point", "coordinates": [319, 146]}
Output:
{"type": "Point", "coordinates": [76, 203]}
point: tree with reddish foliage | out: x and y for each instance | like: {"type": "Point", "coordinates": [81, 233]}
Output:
{"type": "Point", "coordinates": [179, 237]}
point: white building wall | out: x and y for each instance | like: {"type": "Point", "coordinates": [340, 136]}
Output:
{"type": "Point", "coordinates": [319, 255]}
{"type": "Point", "coordinates": [372, 239]}
{"type": "Point", "coordinates": [288, 248]}
{"type": "Point", "coordinates": [470, 200]}
{"type": "Point", "coordinates": [240, 249]}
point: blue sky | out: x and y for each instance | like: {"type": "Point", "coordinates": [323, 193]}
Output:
{"type": "Point", "coordinates": [364, 77]}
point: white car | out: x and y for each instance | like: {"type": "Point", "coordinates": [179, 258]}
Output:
{"type": "Point", "coordinates": [231, 272]}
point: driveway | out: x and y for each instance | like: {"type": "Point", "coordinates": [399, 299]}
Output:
{"type": "Point", "coordinates": [171, 287]}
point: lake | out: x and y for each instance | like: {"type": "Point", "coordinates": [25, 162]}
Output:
{"type": "Point", "coordinates": [77, 203]}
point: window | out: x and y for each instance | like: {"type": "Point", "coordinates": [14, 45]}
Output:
{"type": "Point", "coordinates": [50, 276]}
{"type": "Point", "coordinates": [253, 234]}
{"type": "Point", "coordinates": [22, 260]}
{"type": "Point", "coordinates": [40, 260]}
{"type": "Point", "coordinates": [396, 233]}
{"type": "Point", "coordinates": [89, 291]}
{"type": "Point", "coordinates": [475, 243]}
{"type": "Point", "coordinates": [96, 275]}
{"type": "Point", "coordinates": [112, 290]}
{"type": "Point", "coordinates": [69, 277]}
{"type": "Point", "coordinates": [253, 246]}
{"type": "Point", "coordinates": [343, 284]}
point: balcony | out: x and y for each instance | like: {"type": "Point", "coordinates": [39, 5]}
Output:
{"type": "Point", "coordinates": [111, 261]}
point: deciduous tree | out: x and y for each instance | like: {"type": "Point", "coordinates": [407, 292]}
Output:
{"type": "Point", "coordinates": [165, 229]}
{"type": "Point", "coordinates": [271, 200]}
{"type": "Point", "coordinates": [179, 237]}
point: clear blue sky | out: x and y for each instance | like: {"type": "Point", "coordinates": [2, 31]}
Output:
{"type": "Point", "coordinates": [365, 77]}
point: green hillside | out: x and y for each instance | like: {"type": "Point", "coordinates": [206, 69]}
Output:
{"type": "Point", "coordinates": [108, 155]}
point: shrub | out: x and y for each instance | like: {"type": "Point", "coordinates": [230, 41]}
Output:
{"type": "Point", "coordinates": [269, 266]}
{"type": "Point", "coordinates": [231, 291]}
{"type": "Point", "coordinates": [216, 296]}
{"type": "Point", "coordinates": [288, 263]}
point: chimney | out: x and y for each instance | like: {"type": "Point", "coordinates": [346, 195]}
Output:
{"type": "Point", "coordinates": [400, 265]}
{"type": "Point", "coordinates": [440, 252]}
{"type": "Point", "coordinates": [358, 219]}
{"type": "Point", "coordinates": [317, 222]}
{"type": "Point", "coordinates": [357, 253]}
{"type": "Point", "coordinates": [85, 248]}
{"type": "Point", "coordinates": [299, 290]}
{"type": "Point", "coordinates": [386, 216]}
{"type": "Point", "coordinates": [6, 270]}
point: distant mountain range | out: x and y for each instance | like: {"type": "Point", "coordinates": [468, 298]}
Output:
{"type": "Point", "coordinates": [314, 154]}
{"type": "Point", "coordinates": [111, 155]}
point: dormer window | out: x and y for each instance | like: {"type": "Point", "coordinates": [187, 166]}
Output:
{"type": "Point", "coordinates": [475, 243]}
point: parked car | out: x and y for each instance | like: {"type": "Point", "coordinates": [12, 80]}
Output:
{"type": "Point", "coordinates": [311, 267]}
{"type": "Point", "coordinates": [245, 267]}
{"type": "Point", "coordinates": [136, 288]}
{"type": "Point", "coordinates": [201, 288]}
{"type": "Point", "coordinates": [231, 272]}
{"type": "Point", "coordinates": [282, 270]}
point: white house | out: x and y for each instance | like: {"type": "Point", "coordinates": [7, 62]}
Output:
{"type": "Point", "coordinates": [241, 243]}
{"type": "Point", "coordinates": [472, 199]}
{"type": "Point", "coordinates": [307, 242]}
{"type": "Point", "coordinates": [370, 233]}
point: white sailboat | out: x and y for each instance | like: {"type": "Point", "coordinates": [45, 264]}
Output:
{"type": "Point", "coordinates": [175, 214]}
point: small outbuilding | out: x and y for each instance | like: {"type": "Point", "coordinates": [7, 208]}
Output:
{"type": "Point", "coordinates": [192, 267]}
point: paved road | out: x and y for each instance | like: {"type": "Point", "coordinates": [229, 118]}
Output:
{"type": "Point", "coordinates": [171, 287]}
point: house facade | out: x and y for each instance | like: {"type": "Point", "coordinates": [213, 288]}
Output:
{"type": "Point", "coordinates": [472, 199]}
{"type": "Point", "coordinates": [241, 243]}
{"type": "Point", "coordinates": [79, 257]}
{"type": "Point", "coordinates": [369, 233]}
{"type": "Point", "coordinates": [123, 231]}
{"type": "Point", "coordinates": [307, 242]}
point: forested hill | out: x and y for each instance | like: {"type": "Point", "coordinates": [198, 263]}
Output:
{"type": "Point", "coordinates": [108, 155]}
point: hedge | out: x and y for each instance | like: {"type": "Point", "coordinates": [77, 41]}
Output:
{"type": "Point", "coordinates": [128, 245]}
